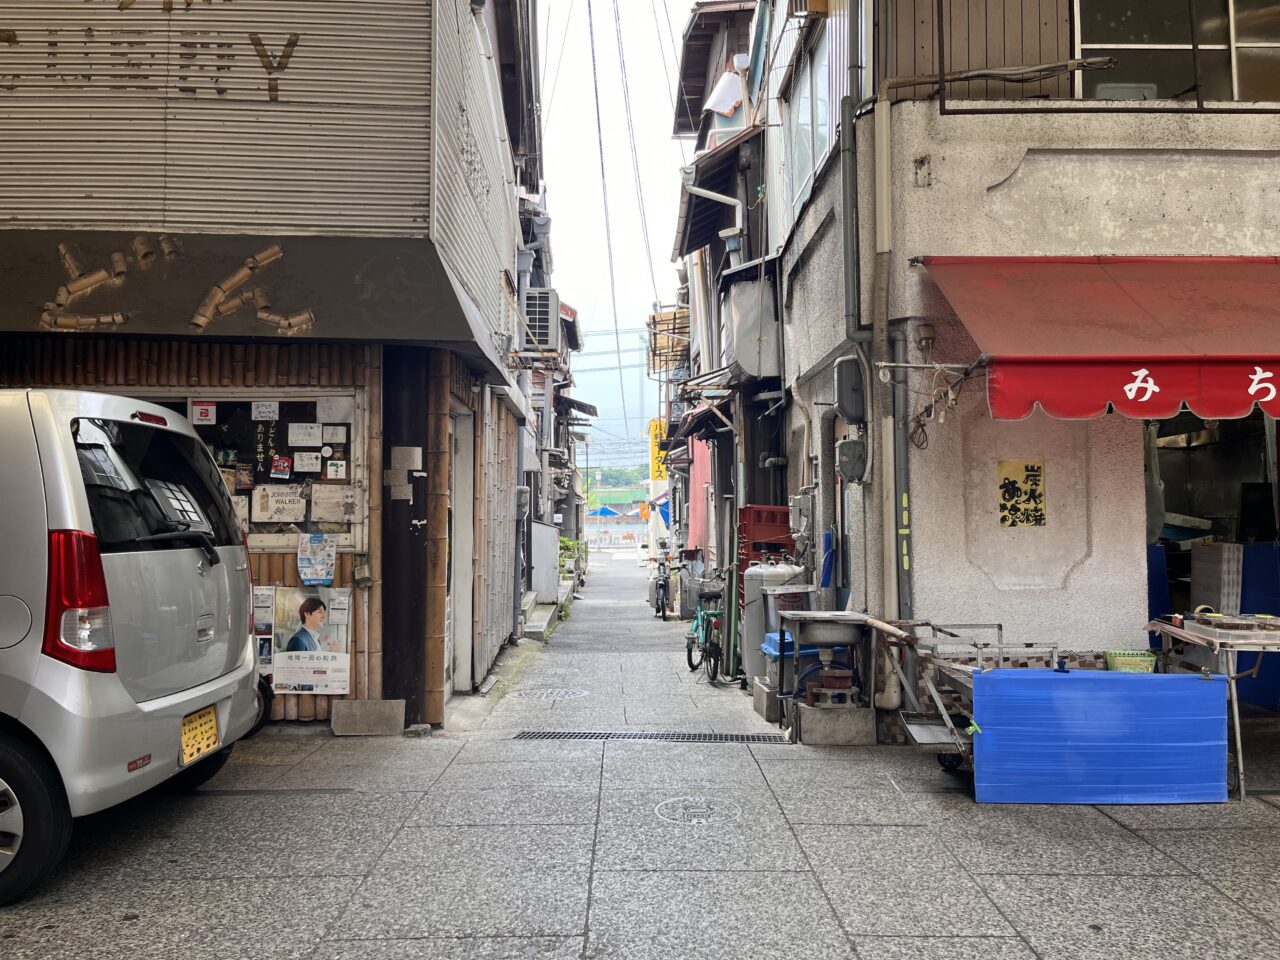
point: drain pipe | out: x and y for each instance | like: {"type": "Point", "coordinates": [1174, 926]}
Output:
{"type": "Point", "coordinates": [827, 493]}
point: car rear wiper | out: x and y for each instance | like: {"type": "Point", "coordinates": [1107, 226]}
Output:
{"type": "Point", "coordinates": [203, 539]}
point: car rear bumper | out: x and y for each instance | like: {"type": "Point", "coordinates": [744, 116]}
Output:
{"type": "Point", "coordinates": [109, 748]}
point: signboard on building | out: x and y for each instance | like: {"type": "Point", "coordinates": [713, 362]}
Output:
{"type": "Point", "coordinates": [657, 433]}
{"type": "Point", "coordinates": [1021, 493]}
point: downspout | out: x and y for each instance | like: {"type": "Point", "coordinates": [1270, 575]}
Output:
{"type": "Point", "coordinates": [827, 492]}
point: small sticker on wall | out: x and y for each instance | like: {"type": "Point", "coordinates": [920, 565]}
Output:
{"type": "Point", "coordinates": [204, 412]}
{"type": "Point", "coordinates": [335, 469]}
{"type": "Point", "coordinates": [1021, 493]}
{"type": "Point", "coordinates": [281, 468]}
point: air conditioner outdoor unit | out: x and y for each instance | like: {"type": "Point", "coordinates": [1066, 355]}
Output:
{"type": "Point", "coordinates": [807, 8]}
{"type": "Point", "coordinates": [542, 314]}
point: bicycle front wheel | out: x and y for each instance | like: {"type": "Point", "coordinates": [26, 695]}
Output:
{"type": "Point", "coordinates": [693, 651]}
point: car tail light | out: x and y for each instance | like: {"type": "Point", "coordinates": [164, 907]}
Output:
{"type": "Point", "coordinates": [77, 626]}
{"type": "Point", "coordinates": [155, 418]}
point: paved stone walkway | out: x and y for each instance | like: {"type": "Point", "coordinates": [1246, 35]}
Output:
{"type": "Point", "coordinates": [471, 844]}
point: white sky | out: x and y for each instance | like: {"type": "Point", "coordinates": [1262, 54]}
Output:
{"type": "Point", "coordinates": [572, 171]}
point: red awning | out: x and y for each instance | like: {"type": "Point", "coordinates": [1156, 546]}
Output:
{"type": "Point", "coordinates": [1141, 335]}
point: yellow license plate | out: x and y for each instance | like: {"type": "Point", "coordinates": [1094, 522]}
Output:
{"type": "Point", "coordinates": [199, 734]}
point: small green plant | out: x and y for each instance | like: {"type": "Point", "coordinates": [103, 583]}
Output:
{"type": "Point", "coordinates": [572, 550]}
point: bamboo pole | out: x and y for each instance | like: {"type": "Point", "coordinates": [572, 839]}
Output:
{"type": "Point", "coordinates": [375, 492]}
{"type": "Point", "coordinates": [437, 529]}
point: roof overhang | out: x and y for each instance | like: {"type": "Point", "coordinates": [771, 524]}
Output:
{"type": "Point", "coordinates": [716, 170]}
{"type": "Point", "coordinates": [707, 20]}
{"type": "Point", "coordinates": [564, 403]}
{"type": "Point", "coordinates": [1143, 336]}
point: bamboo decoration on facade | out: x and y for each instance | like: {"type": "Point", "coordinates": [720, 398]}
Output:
{"type": "Point", "coordinates": [437, 464]}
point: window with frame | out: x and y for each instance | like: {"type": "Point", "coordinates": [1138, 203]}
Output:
{"type": "Point", "coordinates": [1238, 40]}
{"type": "Point", "coordinates": [809, 119]}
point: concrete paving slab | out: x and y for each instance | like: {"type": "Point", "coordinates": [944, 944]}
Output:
{"type": "Point", "coordinates": [535, 773]}
{"type": "Point", "coordinates": [684, 765]}
{"type": "Point", "coordinates": [444, 849]}
{"type": "Point", "coordinates": [528, 751]}
{"type": "Point", "coordinates": [790, 776]}
{"type": "Point", "coordinates": [507, 805]}
{"type": "Point", "coordinates": [660, 829]}
{"type": "Point", "coordinates": [275, 919]}
{"type": "Point", "coordinates": [942, 948]}
{"type": "Point", "coordinates": [1014, 838]}
{"type": "Point", "coordinates": [454, 948]}
{"type": "Point", "coordinates": [712, 916]}
{"type": "Point", "coordinates": [471, 898]}
{"type": "Point", "coordinates": [1254, 813]}
{"type": "Point", "coordinates": [1129, 918]}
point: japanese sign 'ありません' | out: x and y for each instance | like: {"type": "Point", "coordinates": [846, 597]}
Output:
{"type": "Point", "coordinates": [1021, 493]}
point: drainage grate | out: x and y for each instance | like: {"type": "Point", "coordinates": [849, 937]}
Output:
{"type": "Point", "coordinates": [649, 735]}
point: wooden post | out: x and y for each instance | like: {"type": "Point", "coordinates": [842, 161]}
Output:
{"type": "Point", "coordinates": [437, 464]}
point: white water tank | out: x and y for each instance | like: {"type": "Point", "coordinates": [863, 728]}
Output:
{"type": "Point", "coordinates": [754, 623]}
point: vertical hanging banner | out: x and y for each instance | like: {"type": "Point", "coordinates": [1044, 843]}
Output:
{"type": "Point", "coordinates": [312, 640]}
{"type": "Point", "coordinates": [657, 433]}
{"type": "Point", "coordinates": [1021, 493]}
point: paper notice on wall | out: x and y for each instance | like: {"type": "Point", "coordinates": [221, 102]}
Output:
{"type": "Point", "coordinates": [204, 413]}
{"type": "Point", "coordinates": [340, 611]}
{"type": "Point", "coordinates": [335, 469]}
{"type": "Point", "coordinates": [304, 462]}
{"type": "Point", "coordinates": [335, 434]}
{"type": "Point", "coordinates": [264, 613]}
{"type": "Point", "coordinates": [312, 650]}
{"type": "Point", "coordinates": [266, 410]}
{"type": "Point", "coordinates": [279, 503]}
{"type": "Point", "coordinates": [305, 434]}
{"type": "Point", "coordinates": [336, 409]}
{"type": "Point", "coordinates": [228, 478]}
{"type": "Point", "coordinates": [241, 504]}
{"type": "Point", "coordinates": [317, 558]}
{"type": "Point", "coordinates": [335, 504]}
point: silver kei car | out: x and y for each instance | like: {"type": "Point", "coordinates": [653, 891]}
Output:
{"type": "Point", "coordinates": [126, 646]}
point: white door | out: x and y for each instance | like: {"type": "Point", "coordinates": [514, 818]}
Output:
{"type": "Point", "coordinates": [460, 629]}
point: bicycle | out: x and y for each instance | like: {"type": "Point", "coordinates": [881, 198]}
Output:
{"type": "Point", "coordinates": [704, 645]}
{"type": "Point", "coordinates": [662, 589]}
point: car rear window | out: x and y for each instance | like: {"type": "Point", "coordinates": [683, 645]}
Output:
{"type": "Point", "coordinates": [142, 481]}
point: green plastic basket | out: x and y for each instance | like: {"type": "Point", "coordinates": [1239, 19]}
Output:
{"type": "Point", "coordinates": [1131, 661]}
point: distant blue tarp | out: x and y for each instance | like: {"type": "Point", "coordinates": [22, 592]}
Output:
{"type": "Point", "coordinates": [1094, 736]}
{"type": "Point", "coordinates": [605, 511]}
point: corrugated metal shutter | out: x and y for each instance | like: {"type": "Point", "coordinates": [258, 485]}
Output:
{"type": "Point", "coordinates": [473, 204]}
{"type": "Point", "coordinates": [140, 119]}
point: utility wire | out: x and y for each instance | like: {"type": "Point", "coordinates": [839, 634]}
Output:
{"type": "Point", "coordinates": [604, 190]}
{"type": "Point", "coordinates": [635, 157]}
{"type": "Point", "coordinates": [666, 72]}
{"type": "Point", "coordinates": [564, 43]}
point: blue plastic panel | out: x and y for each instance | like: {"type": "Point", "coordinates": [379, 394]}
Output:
{"type": "Point", "coordinates": [1094, 736]}
{"type": "Point", "coordinates": [770, 648]}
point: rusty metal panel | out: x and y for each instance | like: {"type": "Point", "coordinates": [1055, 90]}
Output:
{"type": "Point", "coordinates": [301, 116]}
{"type": "Point", "coordinates": [474, 216]}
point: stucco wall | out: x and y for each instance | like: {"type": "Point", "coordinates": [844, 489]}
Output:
{"type": "Point", "coordinates": [1075, 184]}
{"type": "Point", "coordinates": [1079, 582]}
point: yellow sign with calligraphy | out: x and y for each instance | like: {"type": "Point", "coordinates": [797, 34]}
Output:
{"type": "Point", "coordinates": [1021, 493]}
{"type": "Point", "coordinates": [657, 433]}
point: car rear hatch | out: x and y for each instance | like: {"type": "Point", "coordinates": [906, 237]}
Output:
{"type": "Point", "coordinates": [175, 564]}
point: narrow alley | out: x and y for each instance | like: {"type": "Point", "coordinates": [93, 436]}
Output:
{"type": "Point", "coordinates": [477, 844]}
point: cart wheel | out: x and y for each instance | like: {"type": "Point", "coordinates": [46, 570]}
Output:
{"type": "Point", "coordinates": [950, 761]}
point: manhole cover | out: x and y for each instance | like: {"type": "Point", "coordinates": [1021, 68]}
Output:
{"type": "Point", "coordinates": [698, 810]}
{"type": "Point", "coordinates": [549, 693]}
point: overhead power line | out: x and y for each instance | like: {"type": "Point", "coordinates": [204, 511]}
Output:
{"type": "Point", "coordinates": [564, 42]}
{"type": "Point", "coordinates": [635, 157]}
{"type": "Point", "coordinates": [604, 190]}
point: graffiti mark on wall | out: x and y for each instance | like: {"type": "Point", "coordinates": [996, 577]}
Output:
{"type": "Point", "coordinates": [192, 61]}
{"type": "Point", "coordinates": [227, 297]}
